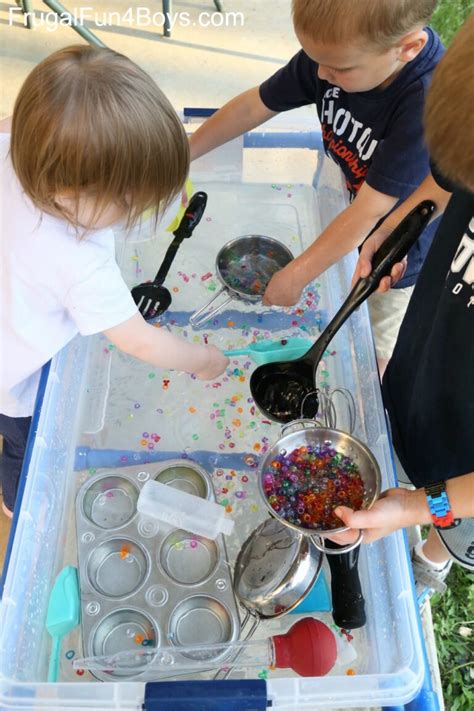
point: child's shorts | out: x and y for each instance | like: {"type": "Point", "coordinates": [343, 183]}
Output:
{"type": "Point", "coordinates": [15, 435]}
{"type": "Point", "coordinates": [386, 315]}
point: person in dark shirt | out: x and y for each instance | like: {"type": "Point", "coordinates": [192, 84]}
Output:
{"type": "Point", "coordinates": [428, 386]}
{"type": "Point", "coordinates": [366, 66]}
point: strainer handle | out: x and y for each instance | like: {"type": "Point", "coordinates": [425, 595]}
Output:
{"type": "Point", "coordinates": [348, 604]}
{"type": "Point", "coordinates": [203, 315]}
{"type": "Point", "coordinates": [301, 421]}
{"type": "Point", "coordinates": [317, 543]}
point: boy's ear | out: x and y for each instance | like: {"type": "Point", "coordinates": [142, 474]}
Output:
{"type": "Point", "coordinates": [411, 45]}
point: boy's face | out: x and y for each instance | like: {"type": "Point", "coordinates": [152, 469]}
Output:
{"type": "Point", "coordinates": [353, 68]}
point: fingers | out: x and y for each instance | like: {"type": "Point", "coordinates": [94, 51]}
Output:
{"type": "Point", "coordinates": [385, 285]}
{"type": "Point", "coordinates": [365, 266]}
{"type": "Point", "coordinates": [360, 519]}
{"type": "Point", "coordinates": [362, 270]}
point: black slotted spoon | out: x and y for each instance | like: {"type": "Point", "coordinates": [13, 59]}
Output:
{"type": "Point", "coordinates": [152, 298]}
{"type": "Point", "coordinates": [286, 390]}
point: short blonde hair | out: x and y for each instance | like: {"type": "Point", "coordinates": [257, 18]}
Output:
{"type": "Point", "coordinates": [88, 121]}
{"type": "Point", "coordinates": [381, 23]}
{"type": "Point", "coordinates": [448, 109]}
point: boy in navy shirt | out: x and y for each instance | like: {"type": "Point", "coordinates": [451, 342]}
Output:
{"type": "Point", "coordinates": [429, 385]}
{"type": "Point", "coordinates": [366, 66]}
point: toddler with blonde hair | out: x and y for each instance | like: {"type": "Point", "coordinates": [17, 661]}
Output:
{"type": "Point", "coordinates": [93, 142]}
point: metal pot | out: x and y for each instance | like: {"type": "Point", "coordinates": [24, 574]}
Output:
{"type": "Point", "coordinates": [244, 266]}
{"type": "Point", "coordinates": [310, 433]}
{"type": "Point", "coordinates": [275, 570]}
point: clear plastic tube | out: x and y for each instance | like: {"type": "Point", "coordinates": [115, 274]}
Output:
{"type": "Point", "coordinates": [166, 660]}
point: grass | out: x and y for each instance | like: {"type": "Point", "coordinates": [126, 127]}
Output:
{"type": "Point", "coordinates": [449, 16]}
{"type": "Point", "coordinates": [453, 620]}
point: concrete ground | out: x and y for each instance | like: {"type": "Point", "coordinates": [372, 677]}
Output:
{"type": "Point", "coordinates": [199, 66]}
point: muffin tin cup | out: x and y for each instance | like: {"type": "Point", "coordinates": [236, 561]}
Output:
{"type": "Point", "coordinates": [149, 585]}
{"type": "Point", "coordinates": [185, 476]}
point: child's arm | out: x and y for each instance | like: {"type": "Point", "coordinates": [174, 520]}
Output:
{"type": "Point", "coordinates": [164, 350]}
{"type": "Point", "coordinates": [428, 190]}
{"type": "Point", "coordinates": [400, 508]}
{"type": "Point", "coordinates": [346, 232]}
{"type": "Point", "coordinates": [239, 115]}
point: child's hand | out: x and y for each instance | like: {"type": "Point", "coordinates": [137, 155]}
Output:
{"type": "Point", "coordinates": [217, 363]}
{"type": "Point", "coordinates": [282, 289]}
{"type": "Point", "coordinates": [393, 510]}
{"type": "Point", "coordinates": [364, 263]}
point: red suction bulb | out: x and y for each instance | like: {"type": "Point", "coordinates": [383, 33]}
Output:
{"type": "Point", "coordinates": [309, 648]}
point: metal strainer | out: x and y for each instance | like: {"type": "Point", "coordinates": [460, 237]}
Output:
{"type": "Point", "coordinates": [308, 432]}
{"type": "Point", "coordinates": [244, 266]}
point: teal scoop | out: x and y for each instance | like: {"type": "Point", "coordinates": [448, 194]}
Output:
{"type": "Point", "coordinates": [269, 351]}
{"type": "Point", "coordinates": [63, 613]}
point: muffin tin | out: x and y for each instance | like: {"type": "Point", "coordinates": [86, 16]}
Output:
{"type": "Point", "coordinates": [143, 582]}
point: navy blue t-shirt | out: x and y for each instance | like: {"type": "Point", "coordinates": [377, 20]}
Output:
{"type": "Point", "coordinates": [374, 136]}
{"type": "Point", "coordinates": [428, 386]}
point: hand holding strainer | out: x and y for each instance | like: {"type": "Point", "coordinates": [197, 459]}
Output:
{"type": "Point", "coordinates": [244, 266]}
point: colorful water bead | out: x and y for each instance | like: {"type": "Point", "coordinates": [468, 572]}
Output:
{"type": "Point", "coordinates": [306, 485]}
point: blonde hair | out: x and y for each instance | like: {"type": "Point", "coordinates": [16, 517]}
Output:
{"type": "Point", "coordinates": [382, 23]}
{"type": "Point", "coordinates": [90, 122]}
{"type": "Point", "coordinates": [448, 109]}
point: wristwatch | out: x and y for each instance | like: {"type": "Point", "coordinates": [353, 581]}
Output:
{"type": "Point", "coordinates": [439, 506]}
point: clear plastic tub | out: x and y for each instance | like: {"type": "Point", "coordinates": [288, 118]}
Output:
{"type": "Point", "coordinates": [102, 409]}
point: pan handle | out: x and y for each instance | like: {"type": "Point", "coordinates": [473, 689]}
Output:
{"type": "Point", "coordinates": [203, 315]}
{"type": "Point", "coordinates": [348, 604]}
{"type": "Point", "coordinates": [317, 541]}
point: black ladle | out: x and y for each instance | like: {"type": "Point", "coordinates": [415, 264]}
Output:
{"type": "Point", "coordinates": [152, 298]}
{"type": "Point", "coordinates": [285, 391]}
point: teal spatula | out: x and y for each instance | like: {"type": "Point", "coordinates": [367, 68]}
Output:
{"type": "Point", "coordinates": [268, 351]}
{"type": "Point", "coordinates": [63, 613]}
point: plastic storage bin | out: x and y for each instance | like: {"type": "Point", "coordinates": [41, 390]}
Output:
{"type": "Point", "coordinates": [100, 409]}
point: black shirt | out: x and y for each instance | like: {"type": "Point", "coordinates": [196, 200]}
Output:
{"type": "Point", "coordinates": [374, 136]}
{"type": "Point", "coordinates": [429, 383]}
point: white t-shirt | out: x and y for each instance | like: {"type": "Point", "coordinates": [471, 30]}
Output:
{"type": "Point", "coordinates": [53, 285]}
